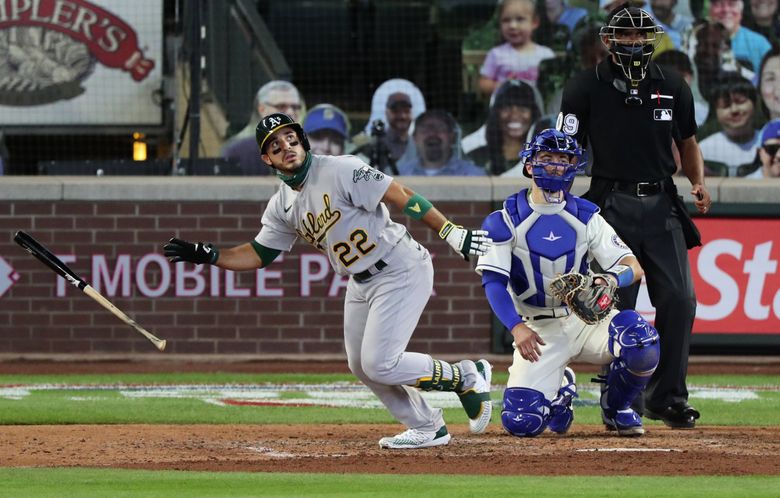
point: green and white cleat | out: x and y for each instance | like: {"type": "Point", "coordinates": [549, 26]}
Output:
{"type": "Point", "coordinates": [412, 439]}
{"type": "Point", "coordinates": [476, 400]}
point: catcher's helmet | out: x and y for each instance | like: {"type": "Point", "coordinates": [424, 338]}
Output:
{"type": "Point", "coordinates": [273, 122]}
{"type": "Point", "coordinates": [632, 54]}
{"type": "Point", "coordinates": [552, 140]}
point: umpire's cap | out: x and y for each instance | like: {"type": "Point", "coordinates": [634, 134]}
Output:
{"type": "Point", "coordinates": [276, 121]}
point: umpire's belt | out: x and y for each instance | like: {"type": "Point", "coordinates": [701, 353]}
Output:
{"type": "Point", "coordinates": [639, 189]}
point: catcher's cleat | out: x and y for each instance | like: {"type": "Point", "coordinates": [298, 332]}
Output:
{"type": "Point", "coordinates": [412, 439]}
{"type": "Point", "coordinates": [562, 409]}
{"type": "Point", "coordinates": [626, 422]}
{"type": "Point", "coordinates": [678, 416]}
{"type": "Point", "coordinates": [476, 400]}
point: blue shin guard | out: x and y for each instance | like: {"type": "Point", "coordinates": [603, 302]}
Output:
{"type": "Point", "coordinates": [561, 412]}
{"type": "Point", "coordinates": [634, 343]}
{"type": "Point", "coordinates": [526, 412]}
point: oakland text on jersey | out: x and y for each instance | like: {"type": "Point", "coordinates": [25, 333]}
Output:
{"type": "Point", "coordinates": [314, 227]}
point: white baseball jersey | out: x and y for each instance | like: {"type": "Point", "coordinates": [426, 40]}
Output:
{"type": "Point", "coordinates": [338, 210]}
{"type": "Point", "coordinates": [533, 243]}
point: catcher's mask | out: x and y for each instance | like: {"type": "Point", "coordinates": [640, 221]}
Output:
{"type": "Point", "coordinates": [274, 122]}
{"type": "Point", "coordinates": [552, 177]}
{"type": "Point", "coordinates": [631, 35]}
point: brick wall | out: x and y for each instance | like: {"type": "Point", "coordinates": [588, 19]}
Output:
{"type": "Point", "coordinates": [121, 237]}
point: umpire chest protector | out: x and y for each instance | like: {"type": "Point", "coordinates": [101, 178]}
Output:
{"type": "Point", "coordinates": [630, 134]}
{"type": "Point", "coordinates": [547, 240]}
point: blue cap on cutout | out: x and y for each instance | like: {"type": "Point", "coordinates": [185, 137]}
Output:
{"type": "Point", "coordinates": [771, 130]}
{"type": "Point", "coordinates": [325, 118]}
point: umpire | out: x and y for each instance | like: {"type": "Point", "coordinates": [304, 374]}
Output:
{"type": "Point", "coordinates": [631, 112]}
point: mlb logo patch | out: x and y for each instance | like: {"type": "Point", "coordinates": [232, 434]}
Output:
{"type": "Point", "coordinates": [662, 114]}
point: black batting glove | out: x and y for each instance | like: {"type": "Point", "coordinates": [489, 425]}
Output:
{"type": "Point", "coordinates": [180, 250]}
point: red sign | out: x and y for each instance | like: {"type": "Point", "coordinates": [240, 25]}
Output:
{"type": "Point", "coordinates": [736, 276]}
{"type": "Point", "coordinates": [110, 39]}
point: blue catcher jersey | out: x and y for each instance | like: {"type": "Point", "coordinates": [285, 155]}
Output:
{"type": "Point", "coordinates": [533, 243]}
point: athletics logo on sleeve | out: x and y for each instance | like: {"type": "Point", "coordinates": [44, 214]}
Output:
{"type": "Point", "coordinates": [366, 173]}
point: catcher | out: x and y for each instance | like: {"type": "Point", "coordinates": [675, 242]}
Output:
{"type": "Point", "coordinates": [537, 280]}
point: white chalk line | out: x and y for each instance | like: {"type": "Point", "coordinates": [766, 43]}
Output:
{"type": "Point", "coordinates": [270, 452]}
{"type": "Point", "coordinates": [337, 394]}
{"type": "Point", "coordinates": [630, 450]}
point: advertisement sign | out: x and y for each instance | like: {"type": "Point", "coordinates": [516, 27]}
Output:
{"type": "Point", "coordinates": [735, 274]}
{"type": "Point", "coordinates": [78, 62]}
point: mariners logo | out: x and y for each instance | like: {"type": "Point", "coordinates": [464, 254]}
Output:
{"type": "Point", "coordinates": [618, 242]}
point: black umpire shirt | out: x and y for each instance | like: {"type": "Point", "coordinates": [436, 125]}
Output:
{"type": "Point", "coordinates": [629, 143]}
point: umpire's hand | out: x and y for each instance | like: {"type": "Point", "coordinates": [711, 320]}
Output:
{"type": "Point", "coordinates": [702, 199]}
{"type": "Point", "coordinates": [180, 250]}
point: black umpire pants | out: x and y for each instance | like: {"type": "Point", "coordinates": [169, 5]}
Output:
{"type": "Point", "coordinates": [651, 228]}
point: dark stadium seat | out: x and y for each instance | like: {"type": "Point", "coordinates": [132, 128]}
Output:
{"type": "Point", "coordinates": [126, 167]}
{"type": "Point", "coordinates": [123, 167]}
{"type": "Point", "coordinates": [715, 168]}
{"type": "Point", "coordinates": [746, 169]}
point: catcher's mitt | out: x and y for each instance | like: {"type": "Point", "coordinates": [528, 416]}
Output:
{"type": "Point", "coordinates": [589, 301]}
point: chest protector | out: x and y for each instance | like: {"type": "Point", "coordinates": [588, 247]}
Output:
{"type": "Point", "coordinates": [546, 245]}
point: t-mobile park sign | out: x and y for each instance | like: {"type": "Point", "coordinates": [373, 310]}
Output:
{"type": "Point", "coordinates": [152, 276]}
{"type": "Point", "coordinates": [735, 275]}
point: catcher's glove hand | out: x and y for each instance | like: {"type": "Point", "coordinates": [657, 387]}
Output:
{"type": "Point", "coordinates": [588, 300]}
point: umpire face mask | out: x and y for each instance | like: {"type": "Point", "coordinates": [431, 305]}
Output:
{"type": "Point", "coordinates": [632, 58]}
{"type": "Point", "coordinates": [631, 35]}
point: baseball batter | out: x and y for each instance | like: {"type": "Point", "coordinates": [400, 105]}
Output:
{"type": "Point", "coordinates": [540, 233]}
{"type": "Point", "coordinates": [336, 204]}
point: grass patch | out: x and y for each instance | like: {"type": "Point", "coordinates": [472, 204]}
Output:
{"type": "Point", "coordinates": [107, 406]}
{"type": "Point", "coordinates": [62, 482]}
{"type": "Point", "coordinates": [153, 379]}
{"type": "Point", "coordinates": [499, 378]}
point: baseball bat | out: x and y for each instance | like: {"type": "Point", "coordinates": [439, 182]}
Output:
{"type": "Point", "coordinates": [46, 257]}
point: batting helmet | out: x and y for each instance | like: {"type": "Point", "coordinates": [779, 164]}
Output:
{"type": "Point", "coordinates": [552, 140]}
{"type": "Point", "coordinates": [632, 53]}
{"type": "Point", "coordinates": [274, 122]}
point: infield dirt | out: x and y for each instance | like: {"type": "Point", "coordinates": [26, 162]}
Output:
{"type": "Point", "coordinates": [586, 450]}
